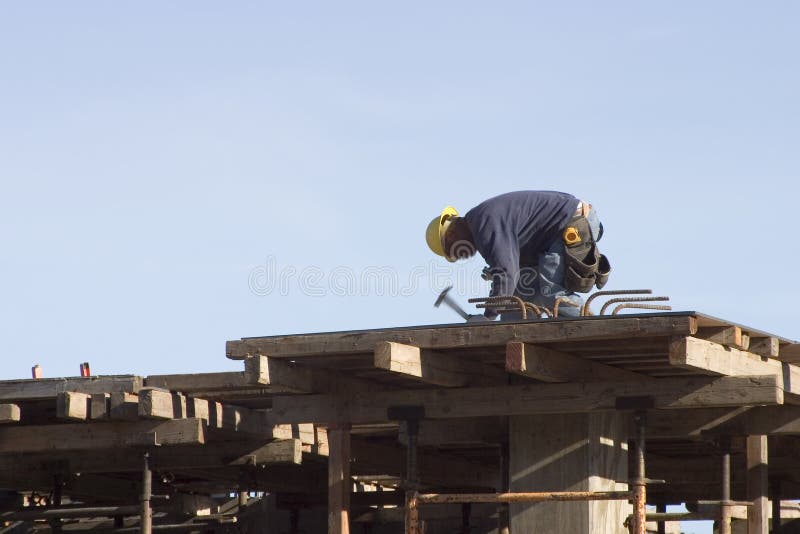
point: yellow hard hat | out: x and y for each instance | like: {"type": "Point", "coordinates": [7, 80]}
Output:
{"type": "Point", "coordinates": [434, 235]}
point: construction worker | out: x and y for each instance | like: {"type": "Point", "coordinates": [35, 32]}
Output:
{"type": "Point", "coordinates": [539, 245]}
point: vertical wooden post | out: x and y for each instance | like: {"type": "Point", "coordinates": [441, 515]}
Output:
{"type": "Point", "coordinates": [339, 479]}
{"type": "Point", "coordinates": [757, 485]}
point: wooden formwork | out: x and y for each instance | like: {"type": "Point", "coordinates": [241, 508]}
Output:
{"type": "Point", "coordinates": [309, 419]}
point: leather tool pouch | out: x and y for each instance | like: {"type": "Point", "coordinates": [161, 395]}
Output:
{"type": "Point", "coordinates": [585, 266]}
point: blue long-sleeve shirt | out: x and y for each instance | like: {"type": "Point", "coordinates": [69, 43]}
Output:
{"type": "Point", "coordinates": [512, 229]}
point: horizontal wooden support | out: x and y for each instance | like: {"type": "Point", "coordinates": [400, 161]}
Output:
{"type": "Point", "coordinates": [729, 336]}
{"type": "Point", "coordinates": [64, 437]}
{"type": "Point", "coordinates": [714, 359]}
{"type": "Point", "coordinates": [280, 375]}
{"type": "Point", "coordinates": [434, 468]}
{"type": "Point", "coordinates": [288, 451]}
{"type": "Point", "coordinates": [765, 346]}
{"type": "Point", "coordinates": [198, 382]}
{"type": "Point", "coordinates": [437, 368]}
{"type": "Point", "coordinates": [9, 413]}
{"type": "Point", "coordinates": [277, 375]}
{"type": "Point", "coordinates": [550, 365]}
{"type": "Point", "coordinates": [461, 336]}
{"type": "Point", "coordinates": [49, 388]}
{"type": "Point", "coordinates": [529, 399]}
{"type": "Point", "coordinates": [744, 421]}
{"type": "Point", "coordinates": [73, 406]}
{"type": "Point", "coordinates": [160, 404]}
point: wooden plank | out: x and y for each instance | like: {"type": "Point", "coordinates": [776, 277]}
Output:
{"type": "Point", "coordinates": [65, 437]}
{"type": "Point", "coordinates": [757, 485]}
{"type": "Point", "coordinates": [49, 388]}
{"type": "Point", "coordinates": [433, 367]}
{"type": "Point", "coordinates": [472, 335]}
{"type": "Point", "coordinates": [264, 371]}
{"type": "Point", "coordinates": [9, 413]}
{"type": "Point", "coordinates": [100, 406]}
{"type": "Point", "coordinates": [284, 451]}
{"type": "Point", "coordinates": [765, 346]}
{"type": "Point", "coordinates": [730, 336]}
{"type": "Point", "coordinates": [748, 421]}
{"type": "Point", "coordinates": [278, 376]}
{"type": "Point", "coordinates": [713, 359]}
{"type": "Point", "coordinates": [161, 404]}
{"type": "Point", "coordinates": [529, 399]}
{"type": "Point", "coordinates": [339, 484]}
{"type": "Point", "coordinates": [123, 406]}
{"type": "Point", "coordinates": [550, 365]}
{"type": "Point", "coordinates": [198, 382]}
{"type": "Point", "coordinates": [73, 406]}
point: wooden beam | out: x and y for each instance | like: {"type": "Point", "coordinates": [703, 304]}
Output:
{"type": "Point", "coordinates": [276, 375]}
{"type": "Point", "coordinates": [73, 406]}
{"type": "Point", "coordinates": [435, 468]}
{"type": "Point", "coordinates": [64, 437]}
{"type": "Point", "coordinates": [765, 346]}
{"type": "Point", "coordinates": [529, 399]}
{"type": "Point", "coordinates": [550, 365]}
{"type": "Point", "coordinates": [198, 382]}
{"type": "Point", "coordinates": [757, 485]}
{"type": "Point", "coordinates": [713, 359]}
{"type": "Point", "coordinates": [160, 404]}
{"type": "Point", "coordinates": [264, 371]}
{"type": "Point", "coordinates": [9, 413]}
{"type": "Point", "coordinates": [459, 336]}
{"type": "Point", "coordinates": [100, 406]}
{"type": "Point", "coordinates": [730, 336]}
{"type": "Point", "coordinates": [123, 406]}
{"type": "Point", "coordinates": [339, 484]}
{"type": "Point", "coordinates": [435, 368]}
{"type": "Point", "coordinates": [288, 451]}
{"type": "Point", "coordinates": [49, 388]}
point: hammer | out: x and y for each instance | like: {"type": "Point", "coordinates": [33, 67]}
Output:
{"type": "Point", "coordinates": [447, 299]}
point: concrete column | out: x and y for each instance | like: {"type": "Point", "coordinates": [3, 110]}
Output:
{"type": "Point", "coordinates": [576, 452]}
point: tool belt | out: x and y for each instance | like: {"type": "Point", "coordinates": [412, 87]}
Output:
{"type": "Point", "coordinates": [585, 266]}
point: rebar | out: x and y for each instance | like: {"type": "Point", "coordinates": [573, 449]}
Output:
{"type": "Point", "coordinates": [585, 310]}
{"type": "Point", "coordinates": [557, 305]}
{"type": "Point", "coordinates": [635, 306]}
{"type": "Point", "coordinates": [628, 300]}
{"type": "Point", "coordinates": [492, 302]}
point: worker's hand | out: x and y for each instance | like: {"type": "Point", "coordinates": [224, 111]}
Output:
{"type": "Point", "coordinates": [477, 318]}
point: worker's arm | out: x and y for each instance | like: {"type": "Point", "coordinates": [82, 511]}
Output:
{"type": "Point", "coordinates": [503, 260]}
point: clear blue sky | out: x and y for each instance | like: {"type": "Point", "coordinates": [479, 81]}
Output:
{"type": "Point", "coordinates": [156, 157]}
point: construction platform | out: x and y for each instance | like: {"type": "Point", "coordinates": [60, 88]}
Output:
{"type": "Point", "coordinates": [478, 428]}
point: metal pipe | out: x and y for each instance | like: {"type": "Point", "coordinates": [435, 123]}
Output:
{"type": "Point", "coordinates": [586, 311]}
{"type": "Point", "coordinates": [51, 512]}
{"type": "Point", "coordinates": [412, 514]}
{"type": "Point", "coordinates": [146, 514]}
{"type": "Point", "coordinates": [640, 482]}
{"type": "Point", "coordinates": [544, 496]}
{"type": "Point", "coordinates": [411, 511]}
{"type": "Point", "coordinates": [725, 504]}
{"type": "Point", "coordinates": [609, 302]}
{"type": "Point", "coordinates": [466, 510]}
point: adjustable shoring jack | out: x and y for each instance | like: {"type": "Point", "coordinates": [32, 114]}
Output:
{"type": "Point", "coordinates": [410, 415]}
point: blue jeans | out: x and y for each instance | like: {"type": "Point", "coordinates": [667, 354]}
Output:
{"type": "Point", "coordinates": [543, 283]}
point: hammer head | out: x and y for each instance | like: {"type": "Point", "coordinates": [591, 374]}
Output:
{"type": "Point", "coordinates": [442, 296]}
